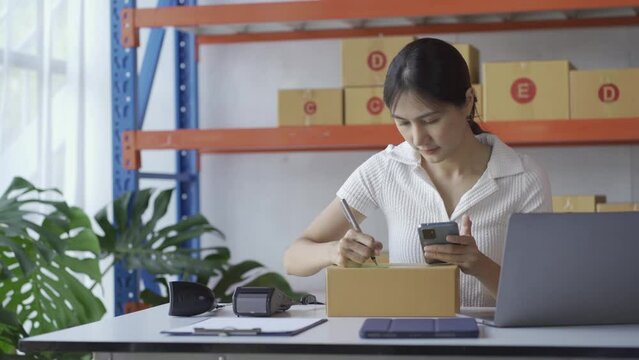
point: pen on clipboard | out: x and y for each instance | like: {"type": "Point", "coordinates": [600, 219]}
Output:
{"type": "Point", "coordinates": [351, 219]}
{"type": "Point", "coordinates": [226, 331]}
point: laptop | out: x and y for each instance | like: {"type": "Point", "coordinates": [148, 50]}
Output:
{"type": "Point", "coordinates": [569, 269]}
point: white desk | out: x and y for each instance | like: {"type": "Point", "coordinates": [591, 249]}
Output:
{"type": "Point", "coordinates": [138, 335]}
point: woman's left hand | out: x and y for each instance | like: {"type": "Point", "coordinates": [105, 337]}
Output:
{"type": "Point", "coordinates": [463, 252]}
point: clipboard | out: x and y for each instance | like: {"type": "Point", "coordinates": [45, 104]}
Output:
{"type": "Point", "coordinates": [247, 327]}
{"type": "Point", "coordinates": [419, 328]}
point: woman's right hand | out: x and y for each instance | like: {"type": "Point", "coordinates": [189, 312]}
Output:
{"type": "Point", "coordinates": [355, 248]}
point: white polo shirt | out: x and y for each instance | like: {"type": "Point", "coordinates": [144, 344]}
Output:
{"type": "Point", "coordinates": [394, 181]}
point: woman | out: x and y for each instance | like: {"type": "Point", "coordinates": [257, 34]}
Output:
{"type": "Point", "coordinates": [447, 169]}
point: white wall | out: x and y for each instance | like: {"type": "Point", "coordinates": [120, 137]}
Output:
{"type": "Point", "coordinates": [263, 201]}
{"type": "Point", "coordinates": [97, 142]}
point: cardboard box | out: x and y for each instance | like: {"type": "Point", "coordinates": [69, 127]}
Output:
{"type": "Point", "coordinates": [310, 107]}
{"type": "Point", "coordinates": [601, 94]}
{"type": "Point", "coordinates": [480, 98]}
{"type": "Point", "coordinates": [533, 90]}
{"type": "Point", "coordinates": [393, 290]}
{"type": "Point", "coordinates": [471, 56]}
{"type": "Point", "coordinates": [617, 207]}
{"type": "Point", "coordinates": [365, 61]}
{"type": "Point", "coordinates": [580, 203]}
{"type": "Point", "coordinates": [365, 105]}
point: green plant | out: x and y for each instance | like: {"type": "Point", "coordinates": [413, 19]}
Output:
{"type": "Point", "coordinates": [10, 331]}
{"type": "Point", "coordinates": [45, 245]}
{"type": "Point", "coordinates": [130, 236]}
{"type": "Point", "coordinates": [246, 273]}
{"type": "Point", "coordinates": [226, 277]}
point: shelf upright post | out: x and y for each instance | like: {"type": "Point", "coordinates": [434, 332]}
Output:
{"type": "Point", "coordinates": [123, 117]}
{"type": "Point", "coordinates": [186, 115]}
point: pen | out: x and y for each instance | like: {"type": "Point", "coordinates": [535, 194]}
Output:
{"type": "Point", "coordinates": [351, 219]}
{"type": "Point", "coordinates": [226, 332]}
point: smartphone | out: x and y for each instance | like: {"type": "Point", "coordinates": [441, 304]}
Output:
{"type": "Point", "coordinates": [435, 234]}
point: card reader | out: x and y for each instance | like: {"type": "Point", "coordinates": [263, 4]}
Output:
{"type": "Point", "coordinates": [264, 301]}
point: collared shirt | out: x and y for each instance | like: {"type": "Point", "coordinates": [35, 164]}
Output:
{"type": "Point", "coordinates": [394, 182]}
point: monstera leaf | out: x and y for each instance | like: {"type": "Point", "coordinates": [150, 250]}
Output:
{"type": "Point", "coordinates": [44, 247]}
{"type": "Point", "coordinates": [135, 241]}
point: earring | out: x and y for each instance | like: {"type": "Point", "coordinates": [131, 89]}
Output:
{"type": "Point", "coordinates": [470, 116]}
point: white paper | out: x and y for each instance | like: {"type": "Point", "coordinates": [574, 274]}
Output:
{"type": "Point", "coordinates": [266, 325]}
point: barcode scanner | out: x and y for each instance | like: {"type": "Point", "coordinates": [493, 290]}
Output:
{"type": "Point", "coordinates": [190, 298]}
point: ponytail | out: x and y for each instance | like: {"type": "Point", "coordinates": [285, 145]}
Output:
{"type": "Point", "coordinates": [474, 126]}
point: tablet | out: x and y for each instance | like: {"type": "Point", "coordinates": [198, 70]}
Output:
{"type": "Point", "coordinates": [408, 328]}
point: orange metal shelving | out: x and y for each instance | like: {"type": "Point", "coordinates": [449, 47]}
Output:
{"type": "Point", "coordinates": [304, 12]}
{"type": "Point", "coordinates": [370, 137]}
{"type": "Point", "coordinates": [423, 16]}
{"type": "Point", "coordinates": [416, 29]}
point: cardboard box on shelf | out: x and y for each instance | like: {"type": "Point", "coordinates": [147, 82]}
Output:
{"type": "Point", "coordinates": [365, 61]}
{"type": "Point", "coordinates": [529, 90]}
{"type": "Point", "coordinates": [617, 207]}
{"type": "Point", "coordinates": [393, 290]}
{"type": "Point", "coordinates": [480, 98]}
{"type": "Point", "coordinates": [579, 203]}
{"type": "Point", "coordinates": [310, 107]}
{"type": "Point", "coordinates": [365, 105]}
{"type": "Point", "coordinates": [600, 94]}
{"type": "Point", "coordinates": [471, 56]}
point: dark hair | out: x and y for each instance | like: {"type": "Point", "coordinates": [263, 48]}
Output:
{"type": "Point", "coordinates": [433, 70]}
